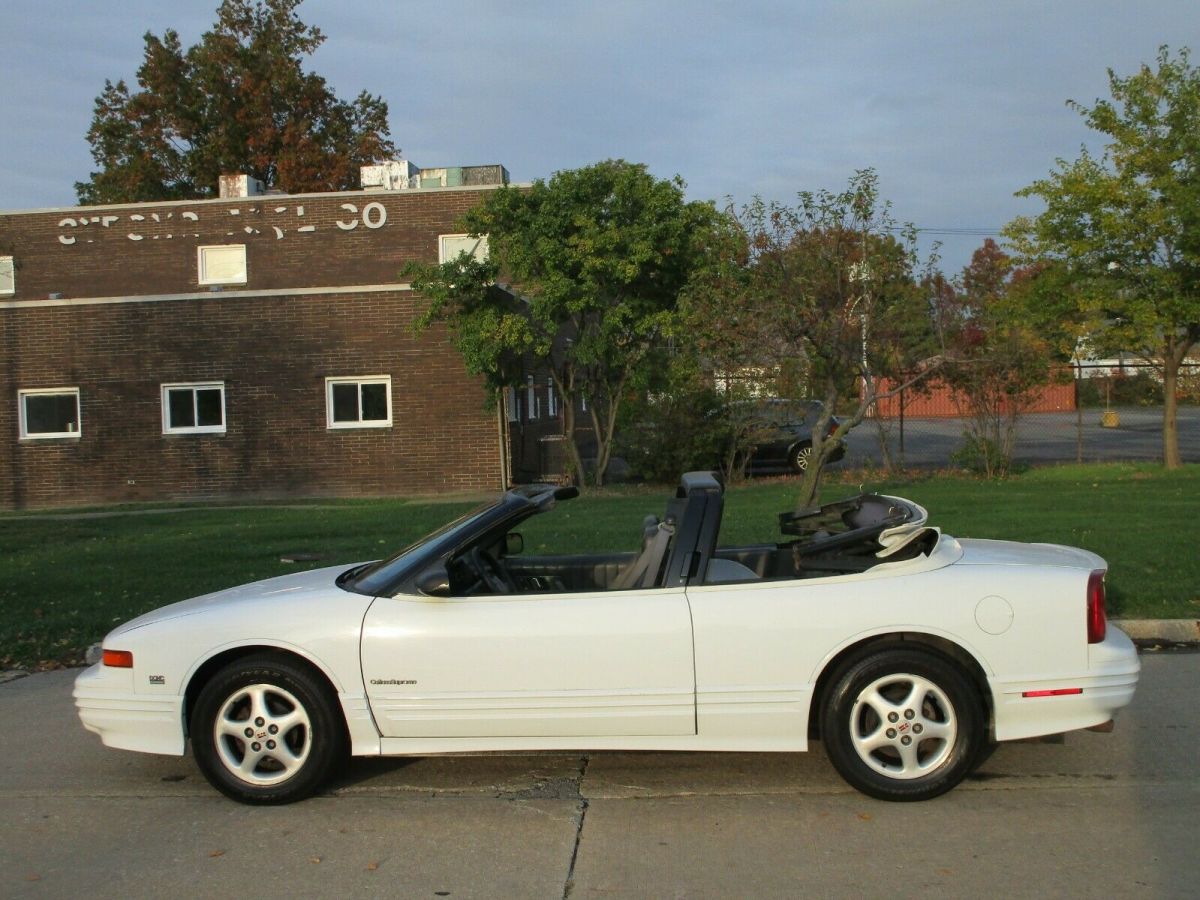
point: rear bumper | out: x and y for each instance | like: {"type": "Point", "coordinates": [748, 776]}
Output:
{"type": "Point", "coordinates": [109, 707]}
{"type": "Point", "coordinates": [1107, 686]}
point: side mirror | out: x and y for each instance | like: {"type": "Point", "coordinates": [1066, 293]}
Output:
{"type": "Point", "coordinates": [514, 544]}
{"type": "Point", "coordinates": [434, 582]}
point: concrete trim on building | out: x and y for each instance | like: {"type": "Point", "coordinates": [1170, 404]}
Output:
{"type": "Point", "coordinates": [208, 295]}
{"type": "Point", "coordinates": [291, 198]}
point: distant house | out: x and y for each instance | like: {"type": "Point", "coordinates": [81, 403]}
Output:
{"type": "Point", "coordinates": [253, 345]}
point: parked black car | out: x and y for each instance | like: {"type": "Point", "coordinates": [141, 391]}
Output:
{"type": "Point", "coordinates": [782, 433]}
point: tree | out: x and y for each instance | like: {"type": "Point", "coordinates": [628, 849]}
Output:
{"type": "Point", "coordinates": [597, 257]}
{"type": "Point", "coordinates": [238, 101]}
{"type": "Point", "coordinates": [995, 362]}
{"type": "Point", "coordinates": [1126, 225]}
{"type": "Point", "coordinates": [826, 284]}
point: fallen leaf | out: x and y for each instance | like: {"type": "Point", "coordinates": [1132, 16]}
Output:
{"type": "Point", "coordinates": [945, 871]}
{"type": "Point", "coordinates": [216, 853]}
{"type": "Point", "coordinates": [866, 817]}
{"type": "Point", "coordinates": [372, 866]}
{"type": "Point", "coordinates": [33, 876]}
{"type": "Point", "coordinates": [314, 859]}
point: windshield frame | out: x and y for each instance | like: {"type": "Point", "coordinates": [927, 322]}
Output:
{"type": "Point", "coordinates": [390, 576]}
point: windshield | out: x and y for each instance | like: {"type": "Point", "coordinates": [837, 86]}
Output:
{"type": "Point", "coordinates": [375, 578]}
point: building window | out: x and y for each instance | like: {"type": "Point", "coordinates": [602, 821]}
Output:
{"type": "Point", "coordinates": [512, 404]}
{"type": "Point", "coordinates": [49, 413]}
{"type": "Point", "coordinates": [451, 245]}
{"type": "Point", "coordinates": [193, 408]}
{"type": "Point", "coordinates": [532, 407]}
{"type": "Point", "coordinates": [8, 276]}
{"type": "Point", "coordinates": [359, 402]}
{"type": "Point", "coordinates": [225, 264]}
{"type": "Point", "coordinates": [551, 400]}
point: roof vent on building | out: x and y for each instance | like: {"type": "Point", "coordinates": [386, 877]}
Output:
{"type": "Point", "coordinates": [393, 175]}
{"type": "Point", "coordinates": [464, 176]}
{"type": "Point", "coordinates": [239, 185]}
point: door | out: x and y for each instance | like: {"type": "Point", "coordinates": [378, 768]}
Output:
{"type": "Point", "coordinates": [608, 663]}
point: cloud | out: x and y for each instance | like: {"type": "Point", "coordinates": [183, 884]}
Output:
{"type": "Point", "coordinates": [957, 105]}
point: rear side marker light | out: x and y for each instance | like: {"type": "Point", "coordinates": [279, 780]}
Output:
{"type": "Point", "coordinates": [118, 659]}
{"type": "Point", "coordinates": [1058, 692]}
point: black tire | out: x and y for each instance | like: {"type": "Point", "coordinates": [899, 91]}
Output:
{"type": "Point", "coordinates": [986, 749]}
{"type": "Point", "coordinates": [934, 706]}
{"type": "Point", "coordinates": [291, 737]}
{"type": "Point", "coordinates": [800, 457]}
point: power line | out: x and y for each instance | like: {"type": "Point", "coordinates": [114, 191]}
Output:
{"type": "Point", "coordinates": [969, 231]}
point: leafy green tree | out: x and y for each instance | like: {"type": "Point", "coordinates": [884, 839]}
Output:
{"type": "Point", "coordinates": [827, 283]}
{"type": "Point", "coordinates": [597, 257]}
{"type": "Point", "coordinates": [674, 420]}
{"type": "Point", "coordinates": [1126, 225]}
{"type": "Point", "coordinates": [995, 361]}
{"type": "Point", "coordinates": [238, 101]}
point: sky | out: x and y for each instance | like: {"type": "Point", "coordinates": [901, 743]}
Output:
{"type": "Point", "coordinates": [956, 105]}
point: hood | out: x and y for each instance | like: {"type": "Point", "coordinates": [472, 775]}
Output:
{"type": "Point", "coordinates": [1011, 553]}
{"type": "Point", "coordinates": [281, 590]}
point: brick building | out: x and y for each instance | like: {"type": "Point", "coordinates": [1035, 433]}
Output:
{"type": "Point", "coordinates": [255, 345]}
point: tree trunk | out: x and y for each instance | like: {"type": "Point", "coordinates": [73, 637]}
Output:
{"type": "Point", "coordinates": [885, 445]}
{"type": "Point", "coordinates": [1170, 428]}
{"type": "Point", "coordinates": [566, 393]}
{"type": "Point", "coordinates": [810, 485]}
{"type": "Point", "coordinates": [573, 457]}
{"type": "Point", "coordinates": [604, 437]}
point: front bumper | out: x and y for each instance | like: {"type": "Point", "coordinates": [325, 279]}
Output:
{"type": "Point", "coordinates": [124, 719]}
{"type": "Point", "coordinates": [1107, 686]}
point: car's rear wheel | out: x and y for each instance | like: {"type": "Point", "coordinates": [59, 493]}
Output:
{"type": "Point", "coordinates": [264, 730]}
{"type": "Point", "coordinates": [902, 725]}
{"type": "Point", "coordinates": [801, 457]}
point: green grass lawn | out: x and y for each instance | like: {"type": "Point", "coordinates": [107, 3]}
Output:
{"type": "Point", "coordinates": [64, 582]}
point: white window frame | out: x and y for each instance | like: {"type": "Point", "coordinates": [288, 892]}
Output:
{"type": "Point", "coordinates": [513, 404]}
{"type": "Point", "coordinates": [479, 251]}
{"type": "Point", "coordinates": [359, 380]}
{"type": "Point", "coordinates": [534, 409]}
{"type": "Point", "coordinates": [202, 264]}
{"type": "Point", "coordinates": [193, 386]}
{"type": "Point", "coordinates": [8, 276]}
{"type": "Point", "coordinates": [551, 400]}
{"type": "Point", "coordinates": [49, 435]}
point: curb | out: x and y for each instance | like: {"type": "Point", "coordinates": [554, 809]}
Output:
{"type": "Point", "coordinates": [1174, 631]}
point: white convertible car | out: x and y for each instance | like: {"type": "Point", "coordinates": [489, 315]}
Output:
{"type": "Point", "coordinates": [908, 653]}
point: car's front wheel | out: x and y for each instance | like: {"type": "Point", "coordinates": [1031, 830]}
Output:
{"type": "Point", "coordinates": [264, 730]}
{"type": "Point", "coordinates": [902, 724]}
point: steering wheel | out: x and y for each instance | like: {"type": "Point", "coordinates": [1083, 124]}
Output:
{"type": "Point", "coordinates": [488, 570]}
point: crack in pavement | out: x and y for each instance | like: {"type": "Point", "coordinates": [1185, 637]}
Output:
{"type": "Point", "coordinates": [569, 884]}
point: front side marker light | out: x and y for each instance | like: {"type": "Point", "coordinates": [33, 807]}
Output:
{"type": "Point", "coordinates": [1058, 692]}
{"type": "Point", "coordinates": [118, 659]}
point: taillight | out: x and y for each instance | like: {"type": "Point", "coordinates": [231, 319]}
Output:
{"type": "Point", "coordinates": [1096, 618]}
{"type": "Point", "coordinates": [118, 659]}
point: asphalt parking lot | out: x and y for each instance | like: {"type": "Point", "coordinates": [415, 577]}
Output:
{"type": "Point", "coordinates": [1096, 815]}
{"type": "Point", "coordinates": [1041, 438]}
